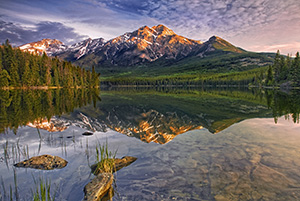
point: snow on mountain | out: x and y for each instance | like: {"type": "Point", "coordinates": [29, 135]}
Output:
{"type": "Point", "coordinates": [49, 46]}
{"type": "Point", "coordinates": [146, 44]}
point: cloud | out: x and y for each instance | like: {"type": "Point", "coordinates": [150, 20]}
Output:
{"type": "Point", "coordinates": [244, 23]}
{"type": "Point", "coordinates": [287, 48]}
{"type": "Point", "coordinates": [19, 35]}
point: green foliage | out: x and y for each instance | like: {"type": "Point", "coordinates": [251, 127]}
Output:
{"type": "Point", "coordinates": [28, 70]}
{"type": "Point", "coordinates": [284, 69]}
{"type": "Point", "coordinates": [43, 190]}
{"type": "Point", "coordinates": [192, 70]}
{"type": "Point", "coordinates": [227, 79]}
{"type": "Point", "coordinates": [284, 104]}
{"type": "Point", "coordinates": [4, 78]}
{"type": "Point", "coordinates": [105, 159]}
{"type": "Point", "coordinates": [270, 77]}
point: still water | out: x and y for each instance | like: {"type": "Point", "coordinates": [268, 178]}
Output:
{"type": "Point", "coordinates": [190, 144]}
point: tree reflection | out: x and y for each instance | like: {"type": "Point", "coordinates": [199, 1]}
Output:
{"type": "Point", "coordinates": [19, 107]}
{"type": "Point", "coordinates": [287, 104]}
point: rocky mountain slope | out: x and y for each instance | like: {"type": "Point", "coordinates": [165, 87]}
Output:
{"type": "Point", "coordinates": [144, 45]}
{"type": "Point", "coordinates": [49, 46]}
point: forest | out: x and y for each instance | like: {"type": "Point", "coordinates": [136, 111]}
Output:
{"type": "Point", "coordinates": [25, 70]}
{"type": "Point", "coordinates": [285, 70]}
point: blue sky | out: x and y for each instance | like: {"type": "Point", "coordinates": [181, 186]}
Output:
{"type": "Point", "coordinates": [255, 25]}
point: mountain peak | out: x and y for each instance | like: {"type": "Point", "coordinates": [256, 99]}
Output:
{"type": "Point", "coordinates": [163, 30]}
{"type": "Point", "coordinates": [221, 44]}
{"type": "Point", "coordinates": [214, 38]}
{"type": "Point", "coordinates": [39, 47]}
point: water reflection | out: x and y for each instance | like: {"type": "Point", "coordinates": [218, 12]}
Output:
{"type": "Point", "coordinates": [151, 115]}
{"type": "Point", "coordinates": [254, 159]}
{"type": "Point", "coordinates": [36, 107]}
{"type": "Point", "coordinates": [160, 115]}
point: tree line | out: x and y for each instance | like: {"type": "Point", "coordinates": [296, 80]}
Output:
{"type": "Point", "coordinates": [243, 78]}
{"type": "Point", "coordinates": [23, 69]}
{"type": "Point", "coordinates": [284, 70]}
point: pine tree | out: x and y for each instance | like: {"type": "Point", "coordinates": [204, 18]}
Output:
{"type": "Point", "coordinates": [95, 78]}
{"type": "Point", "coordinates": [277, 66]}
{"type": "Point", "coordinates": [26, 77]}
{"type": "Point", "coordinates": [14, 75]}
{"type": "Point", "coordinates": [295, 71]}
{"type": "Point", "coordinates": [56, 78]}
{"type": "Point", "coordinates": [270, 78]}
{"type": "Point", "coordinates": [283, 73]}
{"type": "Point", "coordinates": [4, 78]}
{"type": "Point", "coordinates": [1, 66]}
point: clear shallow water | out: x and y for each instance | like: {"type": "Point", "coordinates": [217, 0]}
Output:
{"type": "Point", "coordinates": [248, 159]}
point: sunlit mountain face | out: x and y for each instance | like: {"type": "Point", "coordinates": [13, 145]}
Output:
{"type": "Point", "coordinates": [142, 46]}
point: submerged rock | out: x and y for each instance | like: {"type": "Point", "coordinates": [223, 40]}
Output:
{"type": "Point", "coordinates": [43, 162]}
{"type": "Point", "coordinates": [119, 164]}
{"type": "Point", "coordinates": [98, 187]}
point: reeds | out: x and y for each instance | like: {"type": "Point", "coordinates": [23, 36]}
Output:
{"type": "Point", "coordinates": [105, 159]}
{"type": "Point", "coordinates": [42, 191]}
{"type": "Point", "coordinates": [15, 152]}
{"type": "Point", "coordinates": [13, 192]}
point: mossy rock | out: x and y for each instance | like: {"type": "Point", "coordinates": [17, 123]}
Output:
{"type": "Point", "coordinates": [118, 164]}
{"type": "Point", "coordinates": [43, 162]}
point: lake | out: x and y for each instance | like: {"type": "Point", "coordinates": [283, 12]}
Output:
{"type": "Point", "coordinates": [190, 143]}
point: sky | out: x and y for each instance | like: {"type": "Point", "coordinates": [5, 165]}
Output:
{"type": "Point", "coordinates": [254, 25]}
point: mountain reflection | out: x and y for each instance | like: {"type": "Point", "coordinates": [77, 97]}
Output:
{"type": "Point", "coordinates": [151, 115]}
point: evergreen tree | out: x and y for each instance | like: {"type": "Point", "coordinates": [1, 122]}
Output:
{"type": "Point", "coordinates": [270, 78]}
{"type": "Point", "coordinates": [4, 78]}
{"type": "Point", "coordinates": [26, 77]}
{"type": "Point", "coordinates": [56, 78]}
{"type": "Point", "coordinates": [283, 73]}
{"type": "Point", "coordinates": [1, 66]}
{"type": "Point", "coordinates": [25, 69]}
{"type": "Point", "coordinates": [277, 66]}
{"type": "Point", "coordinates": [295, 72]}
{"type": "Point", "coordinates": [14, 74]}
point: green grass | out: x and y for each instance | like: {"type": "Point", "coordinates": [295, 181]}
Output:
{"type": "Point", "coordinates": [42, 191]}
{"type": "Point", "coordinates": [105, 159]}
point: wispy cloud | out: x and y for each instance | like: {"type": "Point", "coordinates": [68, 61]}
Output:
{"type": "Point", "coordinates": [19, 35]}
{"type": "Point", "coordinates": [243, 22]}
{"type": "Point", "coordinates": [287, 48]}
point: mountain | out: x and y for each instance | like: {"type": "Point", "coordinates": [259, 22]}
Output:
{"type": "Point", "coordinates": [49, 46]}
{"type": "Point", "coordinates": [144, 45]}
{"type": "Point", "coordinates": [153, 51]}
{"type": "Point", "coordinates": [147, 44]}
{"type": "Point", "coordinates": [76, 51]}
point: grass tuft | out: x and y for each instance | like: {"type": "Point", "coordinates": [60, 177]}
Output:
{"type": "Point", "coordinates": [105, 159]}
{"type": "Point", "coordinates": [42, 191]}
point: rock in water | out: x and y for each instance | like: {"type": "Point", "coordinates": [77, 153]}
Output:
{"type": "Point", "coordinates": [124, 162]}
{"type": "Point", "coordinates": [98, 187]}
{"type": "Point", "coordinates": [43, 162]}
{"type": "Point", "coordinates": [119, 164]}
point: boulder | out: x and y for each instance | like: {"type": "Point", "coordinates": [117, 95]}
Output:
{"type": "Point", "coordinates": [119, 164]}
{"type": "Point", "coordinates": [98, 187]}
{"type": "Point", "coordinates": [43, 162]}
